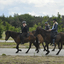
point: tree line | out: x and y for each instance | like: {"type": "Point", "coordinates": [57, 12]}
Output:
{"type": "Point", "coordinates": [15, 23]}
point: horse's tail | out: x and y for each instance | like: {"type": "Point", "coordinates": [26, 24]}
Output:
{"type": "Point", "coordinates": [37, 42]}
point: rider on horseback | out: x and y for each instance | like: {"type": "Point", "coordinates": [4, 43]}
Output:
{"type": "Point", "coordinates": [24, 31]}
{"type": "Point", "coordinates": [24, 28]}
{"type": "Point", "coordinates": [47, 27]}
{"type": "Point", "coordinates": [54, 31]}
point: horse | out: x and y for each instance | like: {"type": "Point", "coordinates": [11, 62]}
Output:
{"type": "Point", "coordinates": [40, 39]}
{"type": "Point", "coordinates": [17, 38]}
{"type": "Point", "coordinates": [47, 38]}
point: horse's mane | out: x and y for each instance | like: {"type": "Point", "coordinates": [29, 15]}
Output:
{"type": "Point", "coordinates": [46, 31]}
{"type": "Point", "coordinates": [12, 33]}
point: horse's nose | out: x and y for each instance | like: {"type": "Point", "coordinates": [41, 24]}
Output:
{"type": "Point", "coordinates": [6, 39]}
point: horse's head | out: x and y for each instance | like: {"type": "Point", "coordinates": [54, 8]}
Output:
{"type": "Point", "coordinates": [37, 31]}
{"type": "Point", "coordinates": [7, 33]}
{"type": "Point", "coordinates": [33, 32]}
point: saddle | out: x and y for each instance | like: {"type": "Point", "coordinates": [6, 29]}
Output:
{"type": "Point", "coordinates": [24, 35]}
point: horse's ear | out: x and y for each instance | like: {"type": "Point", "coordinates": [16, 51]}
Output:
{"type": "Point", "coordinates": [38, 28]}
{"type": "Point", "coordinates": [8, 32]}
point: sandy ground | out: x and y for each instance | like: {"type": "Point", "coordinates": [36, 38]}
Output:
{"type": "Point", "coordinates": [32, 52]}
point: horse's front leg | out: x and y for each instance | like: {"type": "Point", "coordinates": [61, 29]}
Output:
{"type": "Point", "coordinates": [47, 49]}
{"type": "Point", "coordinates": [17, 47]}
{"type": "Point", "coordinates": [54, 47]}
{"type": "Point", "coordinates": [44, 47]}
{"type": "Point", "coordinates": [60, 47]}
{"type": "Point", "coordinates": [29, 47]}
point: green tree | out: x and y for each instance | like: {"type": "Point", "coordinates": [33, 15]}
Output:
{"type": "Point", "coordinates": [1, 28]}
{"type": "Point", "coordinates": [45, 19]}
{"type": "Point", "coordinates": [7, 26]}
{"type": "Point", "coordinates": [59, 22]}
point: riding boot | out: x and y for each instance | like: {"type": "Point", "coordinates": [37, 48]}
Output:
{"type": "Point", "coordinates": [22, 40]}
{"type": "Point", "coordinates": [53, 42]}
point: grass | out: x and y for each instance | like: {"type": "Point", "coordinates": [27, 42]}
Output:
{"type": "Point", "coordinates": [7, 44]}
{"type": "Point", "coordinates": [13, 45]}
{"type": "Point", "coordinates": [31, 60]}
{"type": "Point", "coordinates": [3, 54]}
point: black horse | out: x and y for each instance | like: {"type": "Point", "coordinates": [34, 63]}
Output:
{"type": "Point", "coordinates": [17, 38]}
{"type": "Point", "coordinates": [47, 38]}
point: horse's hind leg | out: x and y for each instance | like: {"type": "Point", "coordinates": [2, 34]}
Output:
{"type": "Point", "coordinates": [59, 48]}
{"type": "Point", "coordinates": [44, 47]}
{"type": "Point", "coordinates": [37, 46]}
{"type": "Point", "coordinates": [17, 47]}
{"type": "Point", "coordinates": [47, 49]}
{"type": "Point", "coordinates": [29, 47]}
{"type": "Point", "coordinates": [54, 48]}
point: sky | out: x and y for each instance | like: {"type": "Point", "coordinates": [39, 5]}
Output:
{"type": "Point", "coordinates": [32, 7]}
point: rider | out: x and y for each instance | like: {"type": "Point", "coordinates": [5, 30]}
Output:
{"type": "Point", "coordinates": [24, 31]}
{"type": "Point", "coordinates": [24, 28]}
{"type": "Point", "coordinates": [47, 27]}
{"type": "Point", "coordinates": [54, 30]}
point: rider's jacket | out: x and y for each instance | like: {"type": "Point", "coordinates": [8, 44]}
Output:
{"type": "Point", "coordinates": [55, 27]}
{"type": "Point", "coordinates": [47, 27]}
{"type": "Point", "coordinates": [25, 29]}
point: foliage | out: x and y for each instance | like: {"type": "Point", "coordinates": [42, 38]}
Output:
{"type": "Point", "coordinates": [1, 28]}
{"type": "Point", "coordinates": [33, 28]}
{"type": "Point", "coordinates": [14, 23]}
{"type": "Point", "coordinates": [60, 27]}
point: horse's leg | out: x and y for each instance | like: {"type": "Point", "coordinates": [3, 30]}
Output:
{"type": "Point", "coordinates": [29, 47]}
{"type": "Point", "coordinates": [44, 47]}
{"type": "Point", "coordinates": [54, 48]}
{"type": "Point", "coordinates": [35, 46]}
{"type": "Point", "coordinates": [60, 47]}
{"type": "Point", "coordinates": [47, 49]}
{"type": "Point", "coordinates": [17, 47]}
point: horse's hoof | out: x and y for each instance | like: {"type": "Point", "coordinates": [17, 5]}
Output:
{"type": "Point", "coordinates": [53, 50]}
{"type": "Point", "coordinates": [20, 50]}
{"type": "Point", "coordinates": [44, 50]}
{"type": "Point", "coordinates": [26, 52]}
{"type": "Point", "coordinates": [57, 54]}
{"type": "Point", "coordinates": [38, 51]}
{"type": "Point", "coordinates": [17, 52]}
{"type": "Point", "coordinates": [47, 53]}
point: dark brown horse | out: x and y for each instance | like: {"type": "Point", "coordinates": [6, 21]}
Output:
{"type": "Point", "coordinates": [47, 38]}
{"type": "Point", "coordinates": [40, 39]}
{"type": "Point", "coordinates": [16, 36]}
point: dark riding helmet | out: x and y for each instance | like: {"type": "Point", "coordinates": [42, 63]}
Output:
{"type": "Point", "coordinates": [24, 22]}
{"type": "Point", "coordinates": [54, 19]}
{"type": "Point", "coordinates": [46, 22]}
